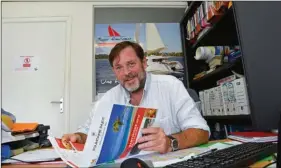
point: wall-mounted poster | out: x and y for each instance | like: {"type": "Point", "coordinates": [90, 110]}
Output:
{"type": "Point", "coordinates": [160, 41]}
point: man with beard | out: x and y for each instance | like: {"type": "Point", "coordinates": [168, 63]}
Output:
{"type": "Point", "coordinates": [180, 123]}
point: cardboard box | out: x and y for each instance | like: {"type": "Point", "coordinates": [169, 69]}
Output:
{"type": "Point", "coordinates": [228, 97]}
{"type": "Point", "coordinates": [241, 96]}
{"type": "Point", "coordinates": [201, 97]}
{"type": "Point", "coordinates": [212, 101]}
{"type": "Point", "coordinates": [207, 105]}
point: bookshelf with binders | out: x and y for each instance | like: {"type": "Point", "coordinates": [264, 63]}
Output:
{"type": "Point", "coordinates": [220, 57]}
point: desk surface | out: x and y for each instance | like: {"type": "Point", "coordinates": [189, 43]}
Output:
{"type": "Point", "coordinates": [60, 164]}
{"type": "Point", "coordinates": [33, 165]}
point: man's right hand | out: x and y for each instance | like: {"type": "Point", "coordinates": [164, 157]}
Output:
{"type": "Point", "coordinates": [72, 137]}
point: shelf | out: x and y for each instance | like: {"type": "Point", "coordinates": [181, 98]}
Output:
{"type": "Point", "coordinates": [227, 117]}
{"type": "Point", "coordinates": [223, 32]}
{"type": "Point", "coordinates": [219, 70]}
{"type": "Point", "coordinates": [191, 9]}
{"type": "Point", "coordinates": [230, 119]}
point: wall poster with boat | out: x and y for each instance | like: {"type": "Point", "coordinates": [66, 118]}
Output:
{"type": "Point", "coordinates": [160, 41]}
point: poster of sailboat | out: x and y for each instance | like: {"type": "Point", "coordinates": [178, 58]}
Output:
{"type": "Point", "coordinates": [160, 41]}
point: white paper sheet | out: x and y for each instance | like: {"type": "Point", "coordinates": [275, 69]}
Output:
{"type": "Point", "coordinates": [34, 156]}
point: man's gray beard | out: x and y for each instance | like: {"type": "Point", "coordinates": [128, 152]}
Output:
{"type": "Point", "coordinates": [141, 85]}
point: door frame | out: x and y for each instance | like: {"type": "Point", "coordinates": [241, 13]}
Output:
{"type": "Point", "coordinates": [66, 88]}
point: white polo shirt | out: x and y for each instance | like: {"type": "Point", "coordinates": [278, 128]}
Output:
{"type": "Point", "coordinates": [176, 109]}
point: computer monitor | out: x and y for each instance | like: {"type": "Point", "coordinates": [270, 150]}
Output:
{"type": "Point", "coordinates": [259, 32]}
{"type": "Point", "coordinates": [279, 144]}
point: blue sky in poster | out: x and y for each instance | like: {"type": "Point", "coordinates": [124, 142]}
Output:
{"type": "Point", "coordinates": [169, 32]}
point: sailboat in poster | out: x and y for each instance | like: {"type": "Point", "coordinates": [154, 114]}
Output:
{"type": "Point", "coordinates": [159, 64]}
{"type": "Point", "coordinates": [154, 43]}
{"type": "Point", "coordinates": [112, 39]}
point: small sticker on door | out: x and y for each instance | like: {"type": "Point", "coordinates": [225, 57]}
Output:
{"type": "Point", "coordinates": [26, 63]}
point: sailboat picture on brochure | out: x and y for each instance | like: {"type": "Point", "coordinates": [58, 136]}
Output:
{"type": "Point", "coordinates": [160, 41]}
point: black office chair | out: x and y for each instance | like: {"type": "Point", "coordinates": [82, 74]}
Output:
{"type": "Point", "coordinates": [193, 94]}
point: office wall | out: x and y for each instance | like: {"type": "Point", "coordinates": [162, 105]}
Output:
{"type": "Point", "coordinates": [1, 58]}
{"type": "Point", "coordinates": [137, 15]}
{"type": "Point", "coordinates": [81, 13]}
{"type": "Point", "coordinates": [81, 48]}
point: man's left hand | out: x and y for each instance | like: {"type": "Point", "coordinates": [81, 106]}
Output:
{"type": "Point", "coordinates": [154, 140]}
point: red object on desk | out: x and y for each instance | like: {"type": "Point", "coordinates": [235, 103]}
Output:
{"type": "Point", "coordinates": [253, 134]}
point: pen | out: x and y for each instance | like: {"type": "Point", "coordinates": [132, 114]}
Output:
{"type": "Point", "coordinates": [205, 153]}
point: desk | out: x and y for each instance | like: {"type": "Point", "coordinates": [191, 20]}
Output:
{"type": "Point", "coordinates": [256, 165]}
{"type": "Point", "coordinates": [33, 165]}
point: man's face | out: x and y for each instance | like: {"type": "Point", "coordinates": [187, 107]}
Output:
{"type": "Point", "coordinates": [129, 69]}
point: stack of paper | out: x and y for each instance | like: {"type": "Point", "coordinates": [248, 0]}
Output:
{"type": "Point", "coordinates": [8, 137]}
{"type": "Point", "coordinates": [254, 139]}
{"type": "Point", "coordinates": [253, 136]}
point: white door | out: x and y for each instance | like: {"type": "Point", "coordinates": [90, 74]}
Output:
{"type": "Point", "coordinates": [35, 70]}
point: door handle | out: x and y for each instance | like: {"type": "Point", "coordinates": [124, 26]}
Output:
{"type": "Point", "coordinates": [59, 102]}
{"type": "Point", "coordinates": [56, 102]}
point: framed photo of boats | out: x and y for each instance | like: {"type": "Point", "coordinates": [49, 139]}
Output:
{"type": "Point", "coordinates": [160, 41]}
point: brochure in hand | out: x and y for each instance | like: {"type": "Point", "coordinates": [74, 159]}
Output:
{"type": "Point", "coordinates": [113, 135]}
